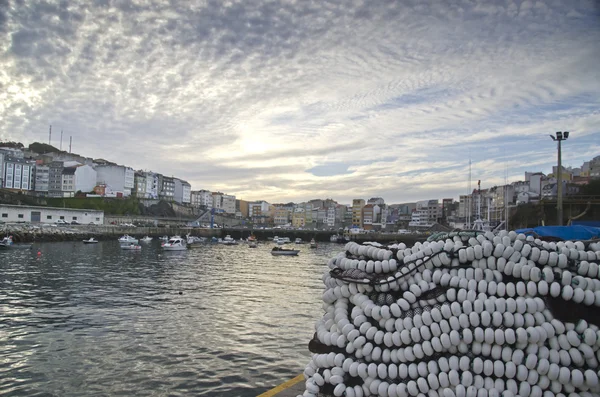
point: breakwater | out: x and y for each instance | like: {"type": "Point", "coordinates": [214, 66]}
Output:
{"type": "Point", "coordinates": [46, 232]}
{"type": "Point", "coordinates": [33, 233]}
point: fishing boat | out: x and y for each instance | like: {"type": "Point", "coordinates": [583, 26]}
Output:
{"type": "Point", "coordinates": [90, 240]}
{"type": "Point", "coordinates": [175, 243]}
{"type": "Point", "coordinates": [127, 239]}
{"type": "Point", "coordinates": [131, 247]}
{"type": "Point", "coordinates": [313, 243]}
{"type": "Point", "coordinates": [276, 251]}
{"type": "Point", "coordinates": [251, 238]}
{"type": "Point", "coordinates": [146, 239]}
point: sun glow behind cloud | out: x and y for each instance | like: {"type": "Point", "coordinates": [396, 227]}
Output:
{"type": "Point", "coordinates": [292, 100]}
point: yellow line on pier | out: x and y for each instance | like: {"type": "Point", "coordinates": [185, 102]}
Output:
{"type": "Point", "coordinates": [282, 386]}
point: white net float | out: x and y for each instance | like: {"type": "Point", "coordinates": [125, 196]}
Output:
{"type": "Point", "coordinates": [466, 314]}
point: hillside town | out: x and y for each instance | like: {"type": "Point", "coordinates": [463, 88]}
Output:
{"type": "Point", "coordinates": [43, 171]}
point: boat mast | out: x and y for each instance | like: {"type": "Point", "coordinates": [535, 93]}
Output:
{"type": "Point", "coordinates": [469, 194]}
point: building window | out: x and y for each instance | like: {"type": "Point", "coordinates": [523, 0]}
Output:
{"type": "Point", "coordinates": [20, 216]}
{"type": "Point", "coordinates": [48, 216]}
{"type": "Point", "coordinates": [4, 215]}
{"type": "Point", "coordinates": [97, 219]}
{"type": "Point", "coordinates": [74, 218]}
{"type": "Point", "coordinates": [62, 217]}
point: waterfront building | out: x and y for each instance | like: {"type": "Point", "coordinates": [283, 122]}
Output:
{"type": "Point", "coordinates": [119, 178]}
{"type": "Point", "coordinates": [166, 188]}
{"type": "Point", "coordinates": [139, 179]}
{"type": "Point", "coordinates": [201, 198]}
{"type": "Point", "coordinates": [217, 198]}
{"type": "Point", "coordinates": [241, 208]}
{"type": "Point", "coordinates": [55, 179]}
{"type": "Point", "coordinates": [17, 173]}
{"type": "Point", "coordinates": [376, 201]}
{"type": "Point", "coordinates": [282, 216]}
{"type": "Point", "coordinates": [182, 192]}
{"type": "Point", "coordinates": [330, 216]}
{"type": "Point", "coordinates": [228, 203]}
{"type": "Point", "coordinates": [426, 213]}
{"type": "Point", "coordinates": [35, 214]}
{"type": "Point", "coordinates": [41, 179]}
{"type": "Point", "coordinates": [298, 218]}
{"type": "Point", "coordinates": [77, 178]}
{"type": "Point", "coordinates": [357, 206]}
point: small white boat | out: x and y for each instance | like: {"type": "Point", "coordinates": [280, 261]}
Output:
{"type": "Point", "coordinates": [298, 241]}
{"type": "Point", "coordinates": [228, 240]}
{"type": "Point", "coordinates": [283, 251]}
{"type": "Point", "coordinates": [131, 247]}
{"type": "Point", "coordinates": [6, 242]}
{"type": "Point", "coordinates": [313, 243]}
{"type": "Point", "coordinates": [90, 240]}
{"type": "Point", "coordinates": [146, 239]}
{"type": "Point", "coordinates": [127, 239]}
{"type": "Point", "coordinates": [164, 238]}
{"type": "Point", "coordinates": [195, 239]}
{"type": "Point", "coordinates": [175, 243]}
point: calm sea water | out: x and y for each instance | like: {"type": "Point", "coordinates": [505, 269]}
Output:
{"type": "Point", "coordinates": [93, 320]}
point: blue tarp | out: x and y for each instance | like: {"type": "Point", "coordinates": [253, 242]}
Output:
{"type": "Point", "coordinates": [575, 232]}
{"type": "Point", "coordinates": [586, 223]}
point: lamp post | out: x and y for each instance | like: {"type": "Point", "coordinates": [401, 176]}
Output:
{"type": "Point", "coordinates": [560, 136]}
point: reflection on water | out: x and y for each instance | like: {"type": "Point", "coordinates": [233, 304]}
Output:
{"type": "Point", "coordinates": [95, 320]}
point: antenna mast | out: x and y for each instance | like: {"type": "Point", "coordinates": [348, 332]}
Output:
{"type": "Point", "coordinates": [50, 135]}
{"type": "Point", "coordinates": [70, 142]}
{"type": "Point", "coordinates": [61, 133]}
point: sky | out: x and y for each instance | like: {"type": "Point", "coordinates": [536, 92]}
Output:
{"type": "Point", "coordinates": [290, 100]}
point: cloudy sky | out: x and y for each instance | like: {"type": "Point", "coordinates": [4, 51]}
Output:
{"type": "Point", "coordinates": [289, 100]}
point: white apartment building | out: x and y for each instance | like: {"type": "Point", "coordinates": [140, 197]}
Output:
{"type": "Point", "coordinates": [118, 177]}
{"type": "Point", "coordinates": [182, 193]}
{"type": "Point", "coordinates": [17, 174]}
{"type": "Point", "coordinates": [426, 213]}
{"type": "Point", "coordinates": [81, 177]}
{"type": "Point", "coordinates": [330, 216]}
{"type": "Point", "coordinates": [201, 198]}
{"type": "Point", "coordinates": [258, 208]}
{"type": "Point", "coordinates": [228, 203]}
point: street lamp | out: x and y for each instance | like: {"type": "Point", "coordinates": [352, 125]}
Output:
{"type": "Point", "coordinates": [560, 136]}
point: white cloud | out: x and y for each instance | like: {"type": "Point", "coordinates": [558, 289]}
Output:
{"type": "Point", "coordinates": [245, 98]}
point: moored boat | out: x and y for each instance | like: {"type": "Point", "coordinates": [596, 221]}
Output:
{"type": "Point", "coordinates": [175, 243]}
{"type": "Point", "coordinates": [284, 251]}
{"type": "Point", "coordinates": [127, 239]}
{"type": "Point", "coordinates": [90, 240]}
{"type": "Point", "coordinates": [313, 243]}
{"type": "Point", "coordinates": [131, 247]}
{"type": "Point", "coordinates": [6, 242]}
{"type": "Point", "coordinates": [298, 241]}
{"type": "Point", "coordinates": [146, 239]}
{"type": "Point", "coordinates": [228, 240]}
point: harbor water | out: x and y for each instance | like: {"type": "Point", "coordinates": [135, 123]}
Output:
{"type": "Point", "coordinates": [94, 320]}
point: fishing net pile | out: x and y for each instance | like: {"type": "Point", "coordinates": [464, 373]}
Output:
{"type": "Point", "coordinates": [465, 314]}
